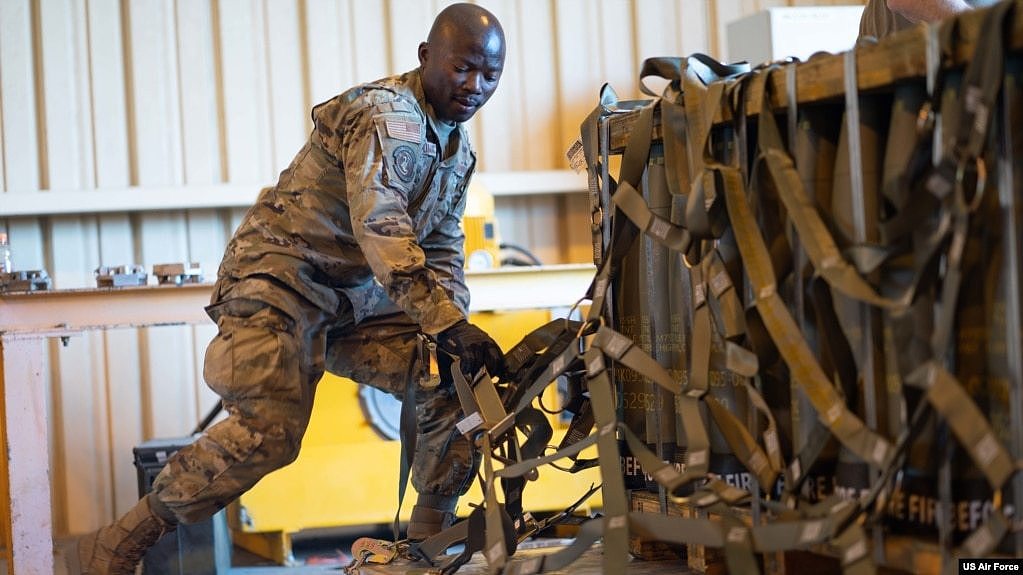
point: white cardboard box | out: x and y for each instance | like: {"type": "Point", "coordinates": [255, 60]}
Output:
{"type": "Point", "coordinates": [778, 33]}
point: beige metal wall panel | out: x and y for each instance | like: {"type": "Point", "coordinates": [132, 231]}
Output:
{"type": "Point", "coordinates": [288, 129]}
{"type": "Point", "coordinates": [19, 120]}
{"type": "Point", "coordinates": [151, 95]}
{"type": "Point", "coordinates": [200, 95]}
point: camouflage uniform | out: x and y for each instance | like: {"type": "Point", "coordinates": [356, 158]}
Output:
{"type": "Point", "coordinates": [338, 267]}
{"type": "Point", "coordinates": [879, 21]}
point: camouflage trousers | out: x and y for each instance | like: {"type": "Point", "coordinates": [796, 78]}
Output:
{"type": "Point", "coordinates": [272, 347]}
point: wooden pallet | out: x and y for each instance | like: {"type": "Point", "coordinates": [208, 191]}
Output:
{"type": "Point", "coordinates": [645, 550]}
{"type": "Point", "coordinates": [698, 558]}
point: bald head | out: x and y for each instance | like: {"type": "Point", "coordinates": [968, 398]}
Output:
{"type": "Point", "coordinates": [464, 18]}
{"type": "Point", "coordinates": [461, 61]}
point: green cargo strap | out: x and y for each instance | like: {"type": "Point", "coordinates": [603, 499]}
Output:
{"type": "Point", "coordinates": [667, 67]}
{"type": "Point", "coordinates": [836, 353]}
{"type": "Point", "coordinates": [673, 118]}
{"type": "Point", "coordinates": [407, 432]}
{"type": "Point", "coordinates": [982, 83]}
{"type": "Point", "coordinates": [866, 212]}
{"type": "Point", "coordinates": [434, 546]}
{"type": "Point", "coordinates": [702, 212]}
{"type": "Point", "coordinates": [521, 468]}
{"type": "Point", "coordinates": [765, 463]}
{"type": "Point", "coordinates": [731, 319]}
{"type": "Point", "coordinates": [805, 370]}
{"type": "Point", "coordinates": [818, 525]}
{"type": "Point", "coordinates": [970, 426]}
{"type": "Point", "coordinates": [798, 470]}
{"type": "Point", "coordinates": [470, 532]}
{"type": "Point", "coordinates": [983, 80]}
{"type": "Point", "coordinates": [623, 235]}
{"type": "Point", "coordinates": [809, 525]}
{"type": "Point", "coordinates": [944, 392]}
{"type": "Point", "coordinates": [678, 530]}
{"type": "Point", "coordinates": [738, 546]}
{"type": "Point", "coordinates": [589, 533]}
{"type": "Point", "coordinates": [596, 168]}
{"type": "Point", "coordinates": [629, 200]}
{"type": "Point", "coordinates": [663, 472]}
{"type": "Point", "coordinates": [742, 444]}
{"type": "Point", "coordinates": [496, 548]}
{"type": "Point", "coordinates": [627, 197]}
{"type": "Point", "coordinates": [738, 541]}
{"type": "Point", "coordinates": [557, 366]}
{"type": "Point", "coordinates": [520, 355]}
{"type": "Point", "coordinates": [716, 495]}
{"type": "Point", "coordinates": [772, 443]}
{"type": "Point", "coordinates": [558, 341]}
{"type": "Point", "coordinates": [578, 429]}
{"type": "Point", "coordinates": [535, 342]}
{"type": "Point", "coordinates": [733, 322]}
{"type": "Point", "coordinates": [590, 130]}
{"type": "Point", "coordinates": [697, 457]}
{"type": "Point", "coordinates": [698, 124]}
{"type": "Point", "coordinates": [698, 382]}
{"type": "Point", "coordinates": [854, 552]}
{"type": "Point", "coordinates": [983, 541]}
{"type": "Point", "coordinates": [702, 92]}
{"type": "Point", "coordinates": [616, 528]}
{"type": "Point", "coordinates": [795, 534]}
{"type": "Point", "coordinates": [816, 239]}
{"type": "Point", "coordinates": [852, 122]}
{"type": "Point", "coordinates": [480, 402]}
{"type": "Point", "coordinates": [536, 428]}
{"type": "Point", "coordinates": [624, 351]}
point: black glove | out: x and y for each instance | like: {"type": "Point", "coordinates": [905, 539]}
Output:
{"type": "Point", "coordinates": [474, 347]}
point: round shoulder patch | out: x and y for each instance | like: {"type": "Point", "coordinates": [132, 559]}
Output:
{"type": "Point", "coordinates": [404, 163]}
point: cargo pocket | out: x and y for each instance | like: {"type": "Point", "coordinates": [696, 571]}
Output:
{"type": "Point", "coordinates": [254, 356]}
{"type": "Point", "coordinates": [202, 480]}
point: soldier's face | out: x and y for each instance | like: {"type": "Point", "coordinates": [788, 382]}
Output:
{"type": "Point", "coordinates": [460, 72]}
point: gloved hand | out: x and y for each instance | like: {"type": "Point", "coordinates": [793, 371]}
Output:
{"type": "Point", "coordinates": [474, 347]}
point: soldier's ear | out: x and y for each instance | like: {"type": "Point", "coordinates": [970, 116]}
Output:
{"type": "Point", "coordinates": [424, 50]}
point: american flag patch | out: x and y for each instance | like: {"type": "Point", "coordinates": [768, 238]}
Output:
{"type": "Point", "coordinates": [407, 131]}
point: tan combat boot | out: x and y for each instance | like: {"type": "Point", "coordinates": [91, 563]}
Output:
{"type": "Point", "coordinates": [430, 515]}
{"type": "Point", "coordinates": [116, 549]}
{"type": "Point", "coordinates": [427, 522]}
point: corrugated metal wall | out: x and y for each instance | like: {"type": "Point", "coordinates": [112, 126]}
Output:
{"type": "Point", "coordinates": [151, 94]}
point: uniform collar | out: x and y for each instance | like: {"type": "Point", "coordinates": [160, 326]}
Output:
{"type": "Point", "coordinates": [414, 82]}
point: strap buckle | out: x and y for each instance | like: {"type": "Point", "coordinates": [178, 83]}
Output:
{"type": "Point", "coordinates": [429, 371]}
{"type": "Point", "coordinates": [975, 177]}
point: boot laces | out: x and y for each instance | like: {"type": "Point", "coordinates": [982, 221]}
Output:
{"type": "Point", "coordinates": [128, 554]}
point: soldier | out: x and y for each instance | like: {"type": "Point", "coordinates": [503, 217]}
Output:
{"type": "Point", "coordinates": [883, 17]}
{"type": "Point", "coordinates": [341, 266]}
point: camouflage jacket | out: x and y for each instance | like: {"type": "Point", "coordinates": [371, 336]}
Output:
{"type": "Point", "coordinates": [367, 208]}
